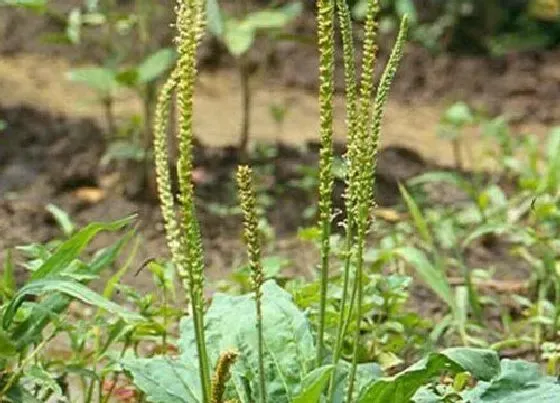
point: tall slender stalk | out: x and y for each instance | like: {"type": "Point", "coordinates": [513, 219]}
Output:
{"type": "Point", "coordinates": [244, 77]}
{"type": "Point", "coordinates": [183, 236]}
{"type": "Point", "coordinates": [248, 203]}
{"type": "Point", "coordinates": [345, 23]}
{"type": "Point", "coordinates": [364, 176]}
{"type": "Point", "coordinates": [368, 143]}
{"type": "Point", "coordinates": [325, 28]}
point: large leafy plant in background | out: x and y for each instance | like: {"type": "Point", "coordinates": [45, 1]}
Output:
{"type": "Point", "coordinates": [230, 325]}
{"type": "Point", "coordinates": [458, 374]}
{"type": "Point", "coordinates": [107, 81]}
{"type": "Point", "coordinates": [501, 27]}
{"type": "Point", "coordinates": [238, 34]}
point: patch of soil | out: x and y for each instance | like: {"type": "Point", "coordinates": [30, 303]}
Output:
{"type": "Point", "coordinates": [523, 85]}
{"type": "Point", "coordinates": [50, 159]}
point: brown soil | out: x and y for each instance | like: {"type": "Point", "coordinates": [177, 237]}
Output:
{"type": "Point", "coordinates": [522, 85]}
{"type": "Point", "coordinates": [51, 149]}
{"type": "Point", "coordinates": [52, 159]}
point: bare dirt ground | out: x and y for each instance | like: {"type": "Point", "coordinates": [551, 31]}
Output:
{"type": "Point", "coordinates": [53, 143]}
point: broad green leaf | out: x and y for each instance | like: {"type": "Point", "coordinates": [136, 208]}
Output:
{"type": "Point", "coordinates": [553, 145]}
{"type": "Point", "coordinates": [238, 37]}
{"type": "Point", "coordinates": [433, 277]}
{"type": "Point", "coordinates": [458, 115]}
{"type": "Point", "coordinates": [37, 5]}
{"type": "Point", "coordinates": [482, 364]}
{"type": "Point", "coordinates": [359, 11]}
{"type": "Point", "coordinates": [265, 20]}
{"type": "Point", "coordinates": [446, 177]}
{"type": "Point", "coordinates": [270, 19]}
{"type": "Point", "coordinates": [518, 42]}
{"type": "Point", "coordinates": [419, 220]}
{"type": "Point", "coordinates": [519, 381]}
{"type": "Point", "coordinates": [123, 151]}
{"type": "Point", "coordinates": [31, 328]}
{"type": "Point", "coordinates": [43, 379]}
{"type": "Point", "coordinates": [367, 373]}
{"type": "Point", "coordinates": [100, 79]}
{"type": "Point", "coordinates": [67, 287]}
{"type": "Point", "coordinates": [155, 65]}
{"type": "Point", "coordinates": [72, 248]}
{"type": "Point", "coordinates": [292, 10]}
{"type": "Point", "coordinates": [164, 380]}
{"type": "Point", "coordinates": [214, 18]}
{"type": "Point", "coordinates": [128, 77]}
{"type": "Point", "coordinates": [551, 179]}
{"type": "Point", "coordinates": [62, 218]}
{"type": "Point", "coordinates": [19, 394]}
{"type": "Point", "coordinates": [313, 385]}
{"type": "Point", "coordinates": [407, 7]}
{"type": "Point", "coordinates": [231, 325]}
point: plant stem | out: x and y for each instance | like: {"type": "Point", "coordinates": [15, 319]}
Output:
{"type": "Point", "coordinates": [165, 324]}
{"type": "Point", "coordinates": [538, 327]}
{"type": "Point", "coordinates": [114, 377]}
{"type": "Point", "coordinates": [260, 333]}
{"type": "Point", "coordinates": [342, 317]}
{"type": "Point", "coordinates": [149, 96]}
{"type": "Point", "coordinates": [325, 17]}
{"type": "Point", "coordinates": [457, 154]}
{"type": "Point", "coordinates": [109, 117]}
{"type": "Point", "coordinates": [244, 76]}
{"type": "Point", "coordinates": [204, 368]}
{"type": "Point", "coordinates": [358, 281]}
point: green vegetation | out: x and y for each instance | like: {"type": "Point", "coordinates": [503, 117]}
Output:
{"type": "Point", "coordinates": [238, 34]}
{"type": "Point", "coordinates": [346, 335]}
{"type": "Point", "coordinates": [493, 26]}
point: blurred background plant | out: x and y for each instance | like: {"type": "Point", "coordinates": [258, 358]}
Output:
{"type": "Point", "coordinates": [238, 33]}
{"type": "Point", "coordinates": [496, 27]}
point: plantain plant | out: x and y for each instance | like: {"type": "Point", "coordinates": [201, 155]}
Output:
{"type": "Point", "coordinates": [238, 34]}
{"type": "Point", "coordinates": [122, 36]}
{"type": "Point", "coordinates": [183, 234]}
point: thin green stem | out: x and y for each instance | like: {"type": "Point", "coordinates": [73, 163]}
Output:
{"type": "Point", "coordinates": [350, 80]}
{"type": "Point", "coordinates": [165, 321]}
{"type": "Point", "coordinates": [190, 257]}
{"type": "Point", "coordinates": [358, 281]}
{"type": "Point", "coordinates": [325, 18]}
{"type": "Point", "coordinates": [114, 379]}
{"type": "Point", "coordinates": [343, 317]}
{"type": "Point", "coordinates": [247, 200]}
{"type": "Point", "coordinates": [260, 333]}
{"type": "Point", "coordinates": [244, 76]}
